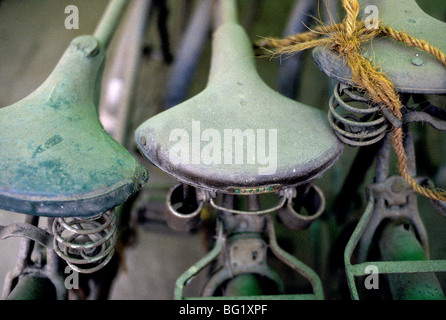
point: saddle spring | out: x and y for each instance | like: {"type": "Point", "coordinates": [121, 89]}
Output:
{"type": "Point", "coordinates": [87, 245]}
{"type": "Point", "coordinates": [355, 120]}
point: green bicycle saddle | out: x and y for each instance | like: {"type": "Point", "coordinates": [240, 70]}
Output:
{"type": "Point", "coordinates": [411, 70]}
{"type": "Point", "coordinates": [55, 157]}
{"type": "Point", "coordinates": [238, 135]}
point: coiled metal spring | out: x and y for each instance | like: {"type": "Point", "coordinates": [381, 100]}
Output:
{"type": "Point", "coordinates": [87, 245]}
{"type": "Point", "coordinates": [356, 125]}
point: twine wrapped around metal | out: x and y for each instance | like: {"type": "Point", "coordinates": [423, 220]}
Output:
{"type": "Point", "coordinates": [346, 38]}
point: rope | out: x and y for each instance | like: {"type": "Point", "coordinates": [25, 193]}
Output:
{"type": "Point", "coordinates": [346, 38]}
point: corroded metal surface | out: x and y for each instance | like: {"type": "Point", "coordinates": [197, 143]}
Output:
{"type": "Point", "coordinates": [56, 158]}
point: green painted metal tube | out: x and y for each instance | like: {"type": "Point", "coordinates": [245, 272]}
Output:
{"type": "Point", "coordinates": [227, 12]}
{"type": "Point", "coordinates": [244, 285]}
{"type": "Point", "coordinates": [399, 244]}
{"type": "Point", "coordinates": [33, 287]}
{"type": "Point", "coordinates": [200, 265]}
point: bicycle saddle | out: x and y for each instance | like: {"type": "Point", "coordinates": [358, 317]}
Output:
{"type": "Point", "coordinates": [238, 135]}
{"type": "Point", "coordinates": [55, 157]}
{"type": "Point", "coordinates": [411, 70]}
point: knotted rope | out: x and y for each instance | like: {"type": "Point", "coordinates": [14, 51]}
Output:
{"type": "Point", "coordinates": [346, 38]}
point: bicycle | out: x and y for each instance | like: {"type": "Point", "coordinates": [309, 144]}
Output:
{"type": "Point", "coordinates": [239, 261]}
{"type": "Point", "coordinates": [55, 173]}
{"type": "Point", "coordinates": [390, 236]}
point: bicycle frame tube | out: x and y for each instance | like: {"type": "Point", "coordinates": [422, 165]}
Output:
{"type": "Point", "coordinates": [110, 21]}
{"type": "Point", "coordinates": [398, 244]}
{"type": "Point", "coordinates": [281, 254]}
{"type": "Point", "coordinates": [291, 65]}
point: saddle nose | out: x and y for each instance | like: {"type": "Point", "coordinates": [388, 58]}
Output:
{"type": "Point", "coordinates": [410, 69]}
{"type": "Point", "coordinates": [238, 135]}
{"type": "Point", "coordinates": [55, 157]}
